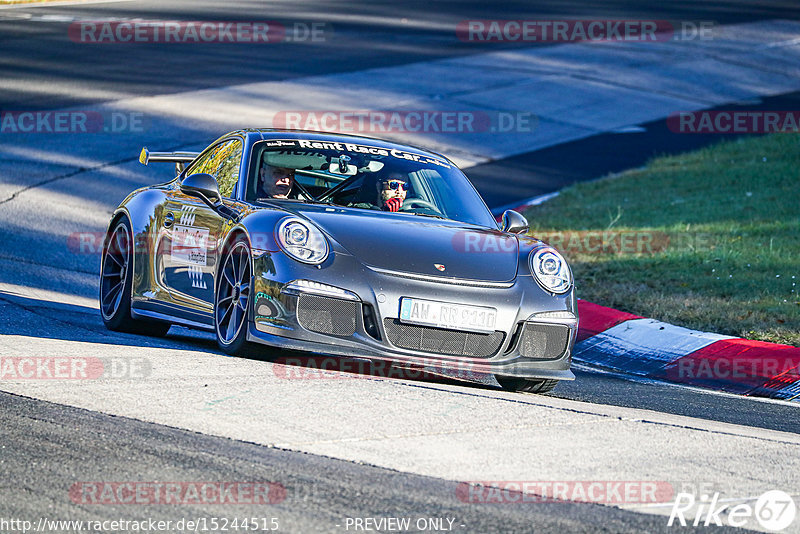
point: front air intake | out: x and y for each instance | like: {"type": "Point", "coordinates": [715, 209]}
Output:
{"type": "Point", "coordinates": [324, 315]}
{"type": "Point", "coordinates": [543, 341]}
{"type": "Point", "coordinates": [441, 341]}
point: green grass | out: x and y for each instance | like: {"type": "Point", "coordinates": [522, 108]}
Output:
{"type": "Point", "coordinates": [719, 235]}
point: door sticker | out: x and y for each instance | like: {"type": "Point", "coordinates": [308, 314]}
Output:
{"type": "Point", "coordinates": [190, 244]}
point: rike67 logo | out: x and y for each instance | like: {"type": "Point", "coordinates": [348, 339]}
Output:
{"type": "Point", "coordinates": [774, 510]}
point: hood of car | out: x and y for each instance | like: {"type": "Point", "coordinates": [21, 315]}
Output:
{"type": "Point", "coordinates": [419, 245]}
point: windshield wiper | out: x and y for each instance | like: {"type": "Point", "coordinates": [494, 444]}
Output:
{"type": "Point", "coordinates": [432, 216]}
{"type": "Point", "coordinates": [302, 200]}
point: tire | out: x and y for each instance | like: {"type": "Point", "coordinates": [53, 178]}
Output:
{"type": "Point", "coordinates": [233, 298]}
{"type": "Point", "coordinates": [522, 385]}
{"type": "Point", "coordinates": [116, 280]}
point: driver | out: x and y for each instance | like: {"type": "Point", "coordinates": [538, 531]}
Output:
{"type": "Point", "coordinates": [392, 191]}
{"type": "Point", "coordinates": [275, 182]}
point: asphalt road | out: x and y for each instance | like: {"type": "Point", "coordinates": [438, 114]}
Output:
{"type": "Point", "coordinates": [346, 447]}
{"type": "Point", "coordinates": [43, 458]}
{"type": "Point", "coordinates": [361, 36]}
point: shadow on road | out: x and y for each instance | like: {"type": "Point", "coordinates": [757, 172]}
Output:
{"type": "Point", "coordinates": [37, 318]}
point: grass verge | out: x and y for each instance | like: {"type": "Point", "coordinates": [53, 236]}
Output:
{"type": "Point", "coordinates": [709, 240]}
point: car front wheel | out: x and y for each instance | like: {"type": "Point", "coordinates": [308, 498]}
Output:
{"type": "Point", "coordinates": [232, 298]}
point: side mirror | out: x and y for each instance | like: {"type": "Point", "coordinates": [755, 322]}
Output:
{"type": "Point", "coordinates": [202, 185]}
{"type": "Point", "coordinates": [514, 222]}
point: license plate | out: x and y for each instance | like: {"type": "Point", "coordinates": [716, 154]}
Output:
{"type": "Point", "coordinates": [447, 315]}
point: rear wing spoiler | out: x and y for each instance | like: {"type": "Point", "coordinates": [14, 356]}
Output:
{"type": "Point", "coordinates": [179, 158]}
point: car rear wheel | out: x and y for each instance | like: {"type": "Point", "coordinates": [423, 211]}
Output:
{"type": "Point", "coordinates": [232, 299]}
{"type": "Point", "coordinates": [523, 385]}
{"type": "Point", "coordinates": [116, 279]}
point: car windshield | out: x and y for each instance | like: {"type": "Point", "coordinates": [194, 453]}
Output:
{"type": "Point", "coordinates": [364, 177]}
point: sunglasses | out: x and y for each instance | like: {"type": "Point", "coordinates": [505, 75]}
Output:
{"type": "Point", "coordinates": [395, 184]}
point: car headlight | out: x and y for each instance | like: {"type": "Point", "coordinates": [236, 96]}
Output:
{"type": "Point", "coordinates": [302, 241]}
{"type": "Point", "coordinates": [551, 270]}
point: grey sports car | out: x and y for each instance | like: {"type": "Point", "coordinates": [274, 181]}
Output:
{"type": "Point", "coordinates": [339, 245]}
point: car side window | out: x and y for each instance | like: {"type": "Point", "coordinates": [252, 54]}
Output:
{"type": "Point", "coordinates": [222, 162]}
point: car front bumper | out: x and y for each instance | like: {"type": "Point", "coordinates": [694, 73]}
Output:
{"type": "Point", "coordinates": [369, 293]}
